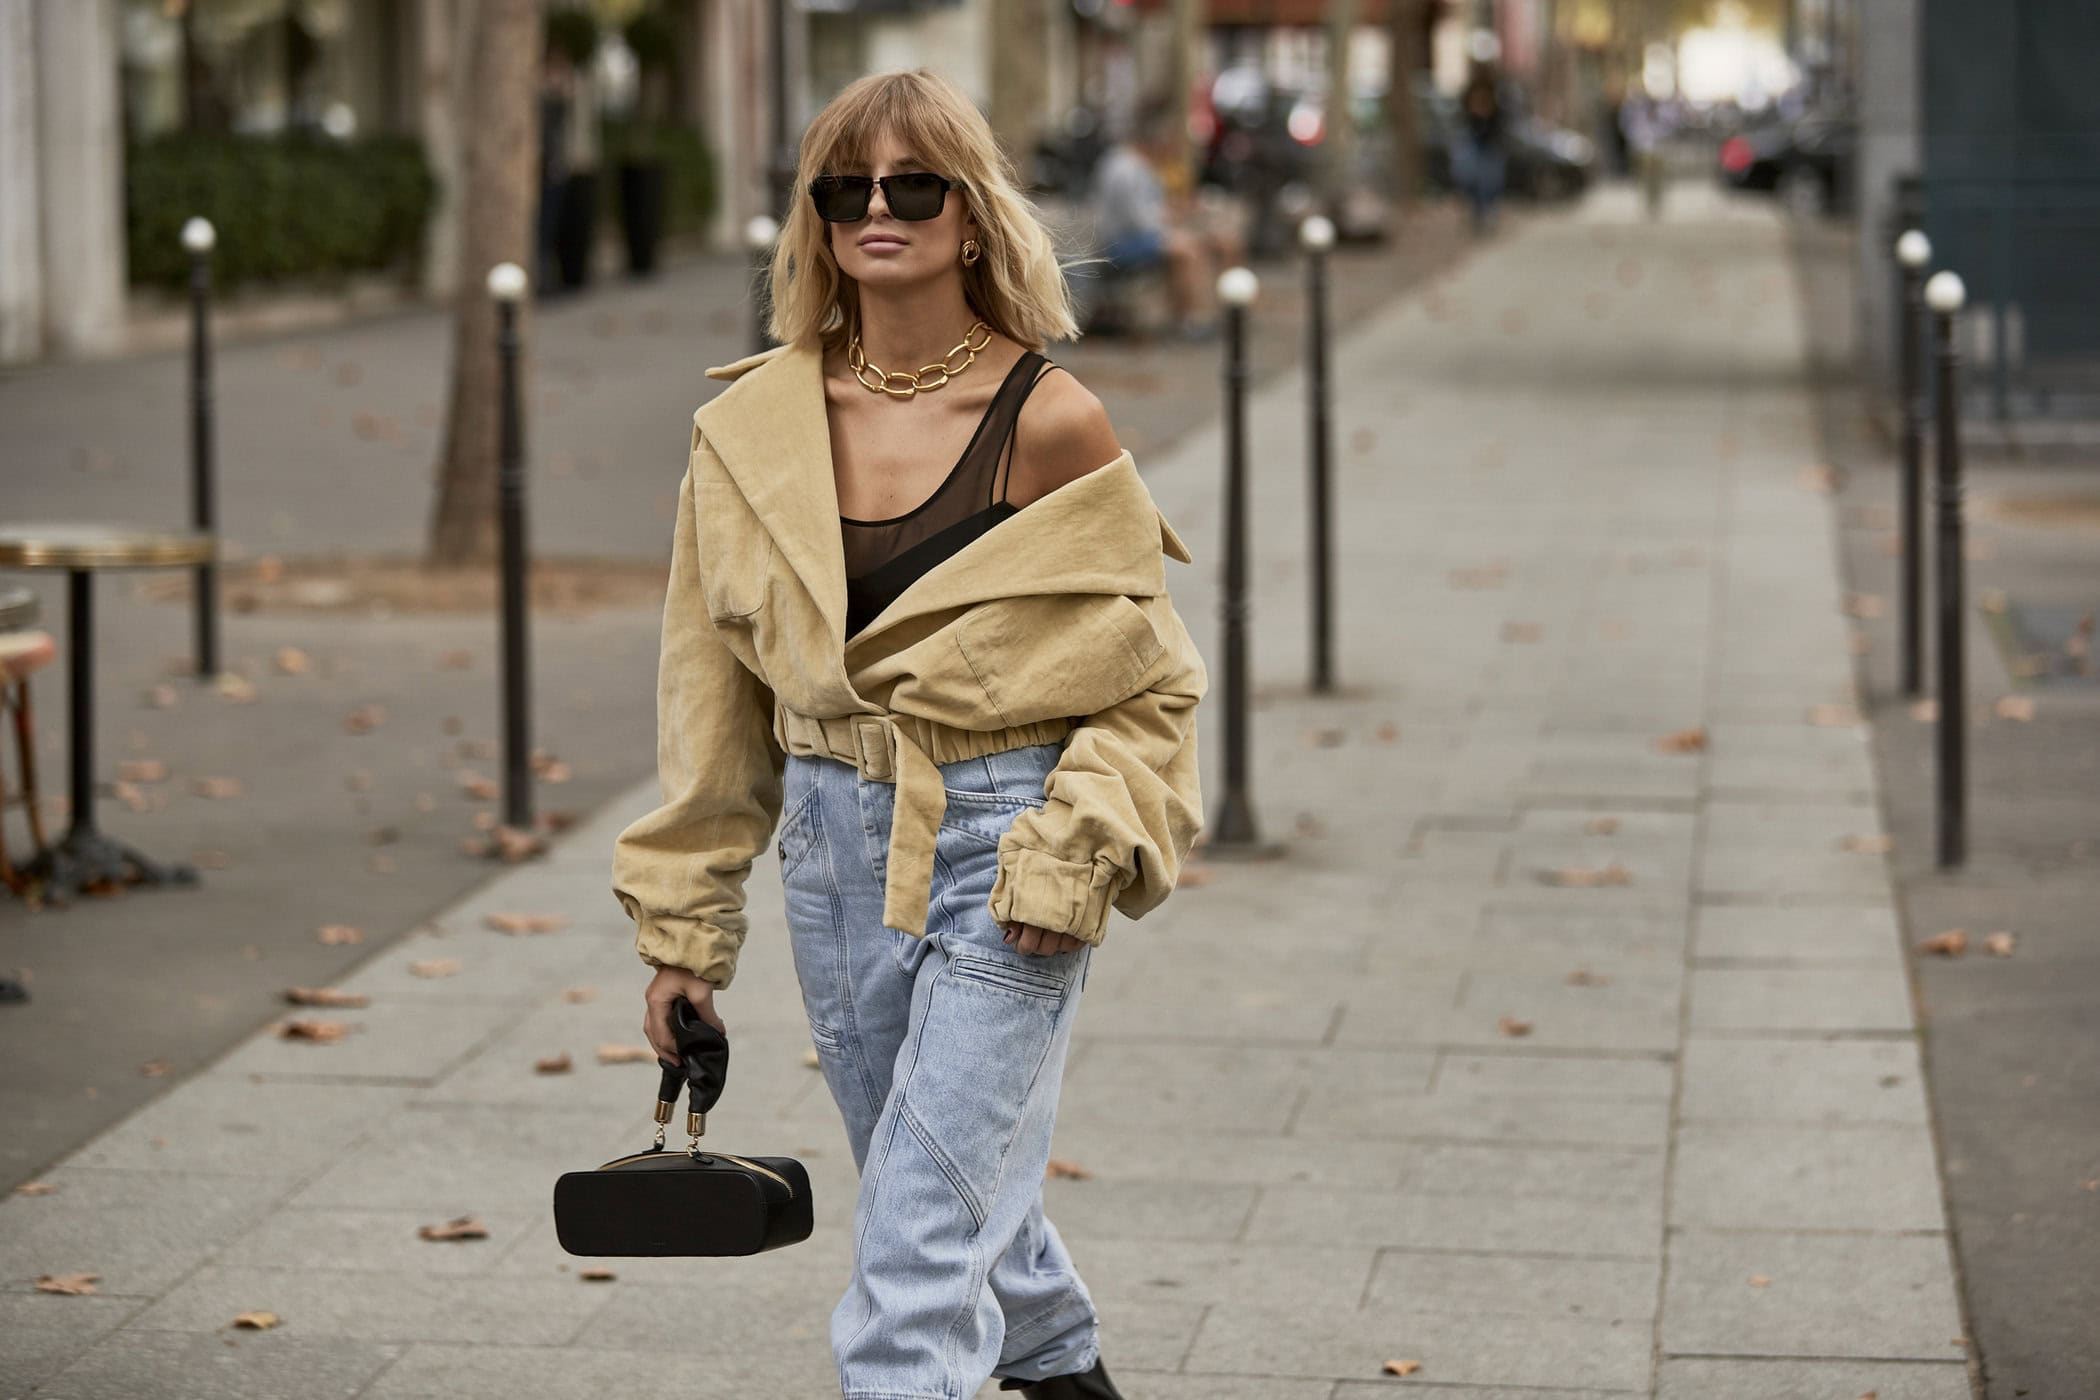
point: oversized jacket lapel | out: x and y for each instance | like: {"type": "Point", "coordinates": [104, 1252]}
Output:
{"type": "Point", "coordinates": [770, 429]}
{"type": "Point", "coordinates": [1099, 534]}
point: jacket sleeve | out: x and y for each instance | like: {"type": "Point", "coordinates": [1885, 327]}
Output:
{"type": "Point", "coordinates": [679, 871]}
{"type": "Point", "coordinates": [1122, 808]}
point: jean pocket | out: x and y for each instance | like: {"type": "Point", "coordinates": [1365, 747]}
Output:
{"type": "Point", "coordinates": [799, 832]}
{"type": "Point", "coordinates": [1006, 977]}
{"type": "Point", "coordinates": [983, 817]}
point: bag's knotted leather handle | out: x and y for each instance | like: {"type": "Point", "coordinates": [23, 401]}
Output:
{"type": "Point", "coordinates": [703, 1060]}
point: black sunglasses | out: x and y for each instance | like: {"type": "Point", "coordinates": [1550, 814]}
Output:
{"type": "Point", "coordinates": [916, 195]}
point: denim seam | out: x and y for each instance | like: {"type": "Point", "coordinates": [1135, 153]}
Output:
{"type": "Point", "coordinates": [1034, 1077]}
{"type": "Point", "coordinates": [860, 1235]}
{"type": "Point", "coordinates": [943, 1161]}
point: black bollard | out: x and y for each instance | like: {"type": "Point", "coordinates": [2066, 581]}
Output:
{"type": "Point", "coordinates": [1232, 831]}
{"type": "Point", "coordinates": [758, 237]}
{"type": "Point", "coordinates": [507, 287]}
{"type": "Point", "coordinates": [1913, 255]}
{"type": "Point", "coordinates": [1317, 234]}
{"type": "Point", "coordinates": [198, 237]}
{"type": "Point", "coordinates": [1945, 294]}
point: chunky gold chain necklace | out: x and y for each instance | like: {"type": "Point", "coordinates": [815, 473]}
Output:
{"type": "Point", "coordinates": [881, 380]}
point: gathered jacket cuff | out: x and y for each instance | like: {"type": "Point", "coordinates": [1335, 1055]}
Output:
{"type": "Point", "coordinates": [1035, 887]}
{"type": "Point", "coordinates": [708, 952]}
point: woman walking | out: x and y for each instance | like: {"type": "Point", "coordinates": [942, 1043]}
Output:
{"type": "Point", "coordinates": [962, 697]}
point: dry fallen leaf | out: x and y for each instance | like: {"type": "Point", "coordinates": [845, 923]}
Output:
{"type": "Point", "coordinates": [339, 933]}
{"type": "Point", "coordinates": [1864, 605]}
{"type": "Point", "coordinates": [1310, 826]}
{"type": "Point", "coordinates": [1867, 845]}
{"type": "Point", "coordinates": [1513, 1026]}
{"type": "Point", "coordinates": [577, 995]}
{"type": "Point", "coordinates": [1691, 740]}
{"type": "Point", "coordinates": [596, 1273]}
{"type": "Point", "coordinates": [35, 1188]}
{"type": "Point", "coordinates": [364, 719]}
{"type": "Point", "coordinates": [2015, 707]}
{"type": "Point", "coordinates": [1951, 944]}
{"type": "Point", "coordinates": [1925, 711]}
{"type": "Point", "coordinates": [478, 787]}
{"type": "Point", "coordinates": [525, 923]}
{"type": "Point", "coordinates": [1992, 600]}
{"type": "Point", "coordinates": [210, 860]}
{"type": "Point", "coordinates": [1324, 736]}
{"type": "Point", "coordinates": [1829, 715]}
{"type": "Point", "coordinates": [1065, 1169]}
{"type": "Point", "coordinates": [162, 697]}
{"type": "Point", "coordinates": [293, 662]}
{"type": "Point", "coordinates": [514, 844]}
{"type": "Point", "coordinates": [435, 967]}
{"type": "Point", "coordinates": [464, 1227]}
{"type": "Point", "coordinates": [553, 1064]}
{"type": "Point", "coordinates": [1522, 631]}
{"type": "Point", "coordinates": [155, 1069]}
{"type": "Point", "coordinates": [1759, 1280]}
{"type": "Point", "coordinates": [257, 1321]}
{"type": "Point", "coordinates": [234, 686]}
{"type": "Point", "coordinates": [324, 996]}
{"type": "Point", "coordinates": [217, 787]}
{"type": "Point", "coordinates": [610, 1054]}
{"type": "Point", "coordinates": [1583, 977]}
{"type": "Point", "coordinates": [1386, 732]}
{"type": "Point", "coordinates": [1579, 877]}
{"type": "Point", "coordinates": [1601, 826]}
{"type": "Point", "coordinates": [1999, 944]}
{"type": "Point", "coordinates": [143, 770]}
{"type": "Point", "coordinates": [318, 1031]}
{"type": "Point", "coordinates": [1193, 874]}
{"type": "Point", "coordinates": [1820, 479]}
{"type": "Point", "coordinates": [1403, 1367]}
{"type": "Point", "coordinates": [74, 1284]}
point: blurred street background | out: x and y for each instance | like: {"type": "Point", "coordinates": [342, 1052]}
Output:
{"type": "Point", "coordinates": [1636, 1037]}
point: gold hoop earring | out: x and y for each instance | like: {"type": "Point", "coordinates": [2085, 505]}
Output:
{"type": "Point", "coordinates": [971, 252]}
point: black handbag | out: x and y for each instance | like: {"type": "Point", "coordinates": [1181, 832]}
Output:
{"type": "Point", "coordinates": [685, 1202]}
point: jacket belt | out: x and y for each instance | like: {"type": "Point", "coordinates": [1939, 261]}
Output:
{"type": "Point", "coordinates": [906, 751]}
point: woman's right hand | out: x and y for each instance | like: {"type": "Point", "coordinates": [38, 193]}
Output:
{"type": "Point", "coordinates": [666, 986]}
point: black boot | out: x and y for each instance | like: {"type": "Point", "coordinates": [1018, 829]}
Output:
{"type": "Point", "coordinates": [1092, 1384]}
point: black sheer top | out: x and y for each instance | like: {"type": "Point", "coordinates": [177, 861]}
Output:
{"type": "Point", "coordinates": [884, 557]}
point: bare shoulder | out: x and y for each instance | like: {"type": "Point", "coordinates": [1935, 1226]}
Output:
{"type": "Point", "coordinates": [1062, 434]}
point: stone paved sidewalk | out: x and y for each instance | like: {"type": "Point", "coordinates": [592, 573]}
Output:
{"type": "Point", "coordinates": [1574, 522]}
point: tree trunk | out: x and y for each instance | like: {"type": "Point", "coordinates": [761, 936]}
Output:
{"type": "Point", "coordinates": [1404, 27]}
{"type": "Point", "coordinates": [496, 227]}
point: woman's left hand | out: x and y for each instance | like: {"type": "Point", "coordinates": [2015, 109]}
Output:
{"type": "Point", "coordinates": [1041, 941]}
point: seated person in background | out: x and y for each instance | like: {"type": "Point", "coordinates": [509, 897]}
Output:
{"type": "Point", "coordinates": [1130, 220]}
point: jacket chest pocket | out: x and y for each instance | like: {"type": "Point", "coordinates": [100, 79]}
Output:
{"type": "Point", "coordinates": [736, 553]}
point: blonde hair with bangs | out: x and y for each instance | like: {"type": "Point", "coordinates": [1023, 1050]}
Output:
{"type": "Point", "coordinates": [1018, 286]}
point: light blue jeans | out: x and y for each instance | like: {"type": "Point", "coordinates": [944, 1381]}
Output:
{"type": "Point", "coordinates": [945, 1055]}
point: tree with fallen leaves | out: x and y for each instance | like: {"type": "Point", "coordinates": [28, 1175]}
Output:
{"type": "Point", "coordinates": [503, 140]}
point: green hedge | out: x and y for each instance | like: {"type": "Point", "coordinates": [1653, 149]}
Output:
{"type": "Point", "coordinates": [689, 181]}
{"type": "Point", "coordinates": [286, 208]}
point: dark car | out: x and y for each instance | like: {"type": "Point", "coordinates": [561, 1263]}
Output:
{"type": "Point", "coordinates": [1806, 162]}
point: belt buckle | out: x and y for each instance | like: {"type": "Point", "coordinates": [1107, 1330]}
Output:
{"type": "Point", "coordinates": [871, 743]}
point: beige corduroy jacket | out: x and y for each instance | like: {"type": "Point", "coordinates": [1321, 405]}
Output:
{"type": "Point", "coordinates": [1054, 625]}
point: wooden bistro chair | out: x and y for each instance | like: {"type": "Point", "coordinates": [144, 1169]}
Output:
{"type": "Point", "coordinates": [24, 650]}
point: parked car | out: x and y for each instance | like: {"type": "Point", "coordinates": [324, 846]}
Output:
{"type": "Point", "coordinates": [1806, 162]}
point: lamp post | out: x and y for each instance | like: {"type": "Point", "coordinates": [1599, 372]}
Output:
{"type": "Point", "coordinates": [1946, 295]}
{"type": "Point", "coordinates": [759, 233]}
{"type": "Point", "coordinates": [1316, 235]}
{"type": "Point", "coordinates": [1913, 255]}
{"type": "Point", "coordinates": [199, 238]}
{"type": "Point", "coordinates": [506, 286]}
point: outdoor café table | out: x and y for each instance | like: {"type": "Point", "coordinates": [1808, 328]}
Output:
{"type": "Point", "coordinates": [85, 856]}
{"type": "Point", "coordinates": [17, 607]}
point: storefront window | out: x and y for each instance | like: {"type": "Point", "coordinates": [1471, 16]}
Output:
{"type": "Point", "coordinates": [256, 65]}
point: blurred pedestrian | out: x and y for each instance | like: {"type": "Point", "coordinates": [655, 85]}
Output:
{"type": "Point", "coordinates": [1483, 153]}
{"type": "Point", "coordinates": [1133, 226]}
{"type": "Point", "coordinates": [967, 707]}
{"type": "Point", "coordinates": [1647, 127]}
